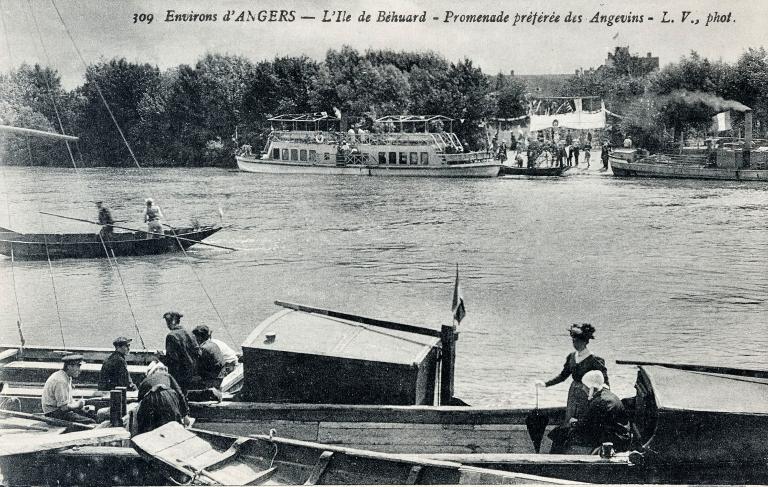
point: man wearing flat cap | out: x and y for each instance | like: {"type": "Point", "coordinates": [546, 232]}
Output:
{"type": "Point", "coordinates": [211, 362]}
{"type": "Point", "coordinates": [57, 400]}
{"type": "Point", "coordinates": [114, 370]}
{"type": "Point", "coordinates": [181, 351]}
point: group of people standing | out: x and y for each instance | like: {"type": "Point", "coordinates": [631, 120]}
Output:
{"type": "Point", "coordinates": [594, 415]}
{"type": "Point", "coordinates": [192, 362]}
{"type": "Point", "coordinates": [152, 217]}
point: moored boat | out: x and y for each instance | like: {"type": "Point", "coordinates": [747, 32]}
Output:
{"type": "Point", "coordinates": [744, 160]}
{"type": "Point", "coordinates": [41, 246]}
{"type": "Point", "coordinates": [406, 146]}
{"type": "Point", "coordinates": [532, 171]}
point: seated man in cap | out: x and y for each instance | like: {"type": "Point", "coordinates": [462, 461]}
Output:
{"type": "Point", "coordinates": [181, 351]}
{"type": "Point", "coordinates": [114, 370]}
{"type": "Point", "coordinates": [211, 362]}
{"type": "Point", "coordinates": [57, 398]}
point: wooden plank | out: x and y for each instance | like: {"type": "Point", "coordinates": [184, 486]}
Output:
{"type": "Point", "coordinates": [46, 419]}
{"type": "Point", "coordinates": [84, 392]}
{"type": "Point", "coordinates": [289, 429]}
{"type": "Point", "coordinates": [39, 371]}
{"type": "Point", "coordinates": [250, 411]}
{"type": "Point", "coordinates": [319, 469]}
{"type": "Point", "coordinates": [23, 444]}
{"type": "Point", "coordinates": [8, 354]}
{"type": "Point", "coordinates": [90, 354]}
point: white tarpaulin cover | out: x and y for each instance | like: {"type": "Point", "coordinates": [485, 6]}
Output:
{"type": "Point", "coordinates": [573, 120]}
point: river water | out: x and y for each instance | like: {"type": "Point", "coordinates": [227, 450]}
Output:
{"type": "Point", "coordinates": [665, 270]}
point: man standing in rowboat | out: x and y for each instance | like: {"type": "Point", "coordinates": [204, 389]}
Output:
{"type": "Point", "coordinates": [152, 216]}
{"type": "Point", "coordinates": [114, 370]}
{"type": "Point", "coordinates": [105, 220]}
{"type": "Point", "coordinates": [181, 351]}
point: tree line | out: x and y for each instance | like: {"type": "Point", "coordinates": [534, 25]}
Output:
{"type": "Point", "coordinates": [189, 115]}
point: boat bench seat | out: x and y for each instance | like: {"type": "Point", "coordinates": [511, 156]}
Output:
{"type": "Point", "coordinates": [37, 392]}
{"type": "Point", "coordinates": [34, 371]}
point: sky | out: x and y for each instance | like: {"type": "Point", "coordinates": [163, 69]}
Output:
{"type": "Point", "coordinates": [104, 29]}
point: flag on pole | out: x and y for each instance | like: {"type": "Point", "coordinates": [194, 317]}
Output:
{"type": "Point", "coordinates": [457, 306]}
{"type": "Point", "coordinates": [337, 112]}
{"type": "Point", "coordinates": [721, 121]}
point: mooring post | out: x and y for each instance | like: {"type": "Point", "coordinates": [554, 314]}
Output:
{"type": "Point", "coordinates": [123, 399]}
{"type": "Point", "coordinates": [448, 337]}
{"type": "Point", "coordinates": [115, 408]}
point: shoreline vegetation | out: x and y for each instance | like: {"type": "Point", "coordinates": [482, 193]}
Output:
{"type": "Point", "coordinates": [197, 116]}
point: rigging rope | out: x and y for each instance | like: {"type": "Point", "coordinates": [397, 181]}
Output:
{"type": "Point", "coordinates": [48, 83]}
{"type": "Point", "coordinates": [53, 284]}
{"type": "Point", "coordinates": [125, 291]}
{"type": "Point", "coordinates": [98, 88]}
{"type": "Point", "coordinates": [202, 286]}
{"type": "Point", "coordinates": [8, 202]}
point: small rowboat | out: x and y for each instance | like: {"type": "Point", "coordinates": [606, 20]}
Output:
{"type": "Point", "coordinates": [532, 171]}
{"type": "Point", "coordinates": [42, 246]}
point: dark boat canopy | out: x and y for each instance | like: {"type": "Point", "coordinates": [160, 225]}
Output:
{"type": "Point", "coordinates": [706, 392]}
{"type": "Point", "coordinates": [295, 356]}
{"type": "Point", "coordinates": [702, 418]}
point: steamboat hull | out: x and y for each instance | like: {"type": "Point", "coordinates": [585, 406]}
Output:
{"type": "Point", "coordinates": [471, 170]}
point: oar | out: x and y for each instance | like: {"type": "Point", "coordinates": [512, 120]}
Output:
{"type": "Point", "coordinates": [760, 374]}
{"type": "Point", "coordinates": [135, 230]}
{"type": "Point", "coordinates": [46, 419]}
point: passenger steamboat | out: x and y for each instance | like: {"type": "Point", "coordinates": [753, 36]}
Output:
{"type": "Point", "coordinates": [398, 145]}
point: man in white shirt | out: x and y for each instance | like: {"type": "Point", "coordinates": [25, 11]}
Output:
{"type": "Point", "coordinates": [230, 357]}
{"type": "Point", "coordinates": [57, 398]}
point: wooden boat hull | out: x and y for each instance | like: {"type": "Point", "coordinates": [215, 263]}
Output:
{"type": "Point", "coordinates": [684, 171]}
{"type": "Point", "coordinates": [88, 245]}
{"type": "Point", "coordinates": [532, 171]}
{"type": "Point", "coordinates": [471, 170]}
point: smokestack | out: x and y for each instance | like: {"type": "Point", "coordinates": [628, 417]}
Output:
{"type": "Point", "coordinates": [747, 136]}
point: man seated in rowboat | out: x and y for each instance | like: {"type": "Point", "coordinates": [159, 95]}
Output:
{"type": "Point", "coordinates": [57, 400]}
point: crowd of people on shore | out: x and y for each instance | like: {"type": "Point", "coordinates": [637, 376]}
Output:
{"type": "Point", "coordinates": [192, 366]}
{"type": "Point", "coordinates": [540, 152]}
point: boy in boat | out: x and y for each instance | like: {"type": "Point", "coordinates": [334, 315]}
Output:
{"type": "Point", "coordinates": [57, 398]}
{"type": "Point", "coordinates": [211, 362]}
{"type": "Point", "coordinates": [105, 220]}
{"type": "Point", "coordinates": [152, 216]}
{"type": "Point", "coordinates": [114, 370]}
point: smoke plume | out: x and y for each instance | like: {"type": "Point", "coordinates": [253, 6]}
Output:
{"type": "Point", "coordinates": [715, 102]}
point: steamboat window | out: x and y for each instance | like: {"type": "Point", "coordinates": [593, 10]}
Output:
{"type": "Point", "coordinates": [393, 157]}
{"type": "Point", "coordinates": [294, 154]}
{"type": "Point", "coordinates": [303, 155]}
{"type": "Point", "coordinates": [382, 157]}
{"type": "Point", "coordinates": [285, 154]}
{"type": "Point", "coordinates": [403, 158]}
{"type": "Point", "coordinates": [425, 158]}
{"type": "Point", "coordinates": [413, 158]}
{"type": "Point", "coordinates": [312, 155]}
{"type": "Point", "coordinates": [275, 153]}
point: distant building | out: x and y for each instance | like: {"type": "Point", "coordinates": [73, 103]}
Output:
{"type": "Point", "coordinates": [634, 65]}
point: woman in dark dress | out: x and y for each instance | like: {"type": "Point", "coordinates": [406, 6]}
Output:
{"type": "Point", "coordinates": [576, 365]}
{"type": "Point", "coordinates": [160, 400]}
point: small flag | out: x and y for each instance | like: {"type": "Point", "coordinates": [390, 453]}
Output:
{"type": "Point", "coordinates": [721, 121]}
{"type": "Point", "coordinates": [577, 104]}
{"type": "Point", "coordinates": [337, 112]}
{"type": "Point", "coordinates": [458, 301]}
